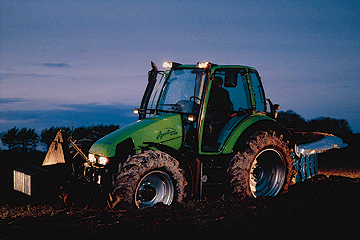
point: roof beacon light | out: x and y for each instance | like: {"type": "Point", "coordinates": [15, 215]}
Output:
{"type": "Point", "coordinates": [167, 64]}
{"type": "Point", "coordinates": [203, 64]}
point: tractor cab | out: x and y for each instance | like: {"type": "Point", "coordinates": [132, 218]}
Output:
{"type": "Point", "coordinates": [212, 100]}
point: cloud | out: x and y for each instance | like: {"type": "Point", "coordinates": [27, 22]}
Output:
{"type": "Point", "coordinates": [4, 76]}
{"type": "Point", "coordinates": [56, 65]}
{"type": "Point", "coordinates": [12, 100]}
{"type": "Point", "coordinates": [69, 114]}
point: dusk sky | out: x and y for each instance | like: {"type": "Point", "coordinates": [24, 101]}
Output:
{"type": "Point", "coordinates": [86, 62]}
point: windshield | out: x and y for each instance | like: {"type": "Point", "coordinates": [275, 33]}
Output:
{"type": "Point", "coordinates": [182, 91]}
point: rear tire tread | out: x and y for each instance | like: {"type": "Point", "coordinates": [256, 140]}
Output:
{"type": "Point", "coordinates": [239, 167]}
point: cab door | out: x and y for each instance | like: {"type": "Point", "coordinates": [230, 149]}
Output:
{"type": "Point", "coordinates": [215, 125]}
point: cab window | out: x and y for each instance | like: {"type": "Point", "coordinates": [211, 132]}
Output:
{"type": "Point", "coordinates": [258, 92]}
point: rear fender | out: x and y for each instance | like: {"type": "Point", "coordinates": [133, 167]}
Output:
{"type": "Point", "coordinates": [239, 136]}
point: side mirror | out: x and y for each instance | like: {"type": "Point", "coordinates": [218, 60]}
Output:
{"type": "Point", "coordinates": [273, 108]}
{"type": "Point", "coordinates": [276, 106]}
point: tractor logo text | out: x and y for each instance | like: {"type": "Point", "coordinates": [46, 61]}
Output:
{"type": "Point", "coordinates": [169, 131]}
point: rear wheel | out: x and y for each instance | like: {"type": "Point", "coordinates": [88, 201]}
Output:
{"type": "Point", "coordinates": [264, 168]}
{"type": "Point", "coordinates": [148, 178]}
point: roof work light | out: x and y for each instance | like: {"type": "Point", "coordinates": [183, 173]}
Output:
{"type": "Point", "coordinates": [202, 64]}
{"type": "Point", "coordinates": [171, 64]}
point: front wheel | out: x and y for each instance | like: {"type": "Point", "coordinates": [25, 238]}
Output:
{"type": "Point", "coordinates": [154, 187]}
{"type": "Point", "coordinates": [148, 178]}
{"type": "Point", "coordinates": [264, 168]}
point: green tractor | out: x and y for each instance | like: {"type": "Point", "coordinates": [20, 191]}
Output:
{"type": "Point", "coordinates": [203, 130]}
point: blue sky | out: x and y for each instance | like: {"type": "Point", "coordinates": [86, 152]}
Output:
{"type": "Point", "coordinates": [86, 62]}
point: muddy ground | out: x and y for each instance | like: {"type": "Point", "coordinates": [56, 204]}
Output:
{"type": "Point", "coordinates": [325, 207]}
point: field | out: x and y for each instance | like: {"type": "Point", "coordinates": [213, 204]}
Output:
{"type": "Point", "coordinates": [324, 207]}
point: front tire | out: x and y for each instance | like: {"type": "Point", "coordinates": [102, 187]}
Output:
{"type": "Point", "coordinates": [264, 168]}
{"type": "Point", "coordinates": [149, 178]}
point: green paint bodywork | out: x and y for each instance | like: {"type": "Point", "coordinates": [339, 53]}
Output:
{"type": "Point", "coordinates": [165, 129]}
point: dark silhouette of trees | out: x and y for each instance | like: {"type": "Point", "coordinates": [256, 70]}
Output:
{"type": "Point", "coordinates": [291, 119]}
{"type": "Point", "coordinates": [47, 135]}
{"type": "Point", "coordinates": [9, 138]}
{"type": "Point", "coordinates": [27, 139]}
{"type": "Point", "coordinates": [22, 140]}
{"type": "Point", "coordinates": [93, 132]}
{"type": "Point", "coordinates": [338, 127]}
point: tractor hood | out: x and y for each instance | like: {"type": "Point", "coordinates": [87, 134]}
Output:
{"type": "Point", "coordinates": [164, 129]}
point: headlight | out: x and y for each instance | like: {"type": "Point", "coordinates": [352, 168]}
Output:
{"type": "Point", "coordinates": [103, 160]}
{"type": "Point", "coordinates": [92, 158]}
{"type": "Point", "coordinates": [96, 159]}
{"type": "Point", "coordinates": [191, 118]}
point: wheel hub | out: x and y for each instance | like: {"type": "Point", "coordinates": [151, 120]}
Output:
{"type": "Point", "coordinates": [147, 191]}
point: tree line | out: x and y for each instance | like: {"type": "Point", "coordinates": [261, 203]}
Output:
{"type": "Point", "coordinates": [28, 140]}
{"type": "Point", "coordinates": [338, 127]}
{"type": "Point", "coordinates": [25, 139]}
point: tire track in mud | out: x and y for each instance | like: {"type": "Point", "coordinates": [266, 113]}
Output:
{"type": "Point", "coordinates": [339, 171]}
{"type": "Point", "coordinates": [317, 208]}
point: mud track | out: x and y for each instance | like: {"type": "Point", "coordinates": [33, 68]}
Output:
{"type": "Point", "coordinates": [323, 207]}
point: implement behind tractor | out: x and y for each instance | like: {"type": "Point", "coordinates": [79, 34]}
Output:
{"type": "Point", "coordinates": [203, 130]}
{"type": "Point", "coordinates": [61, 164]}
